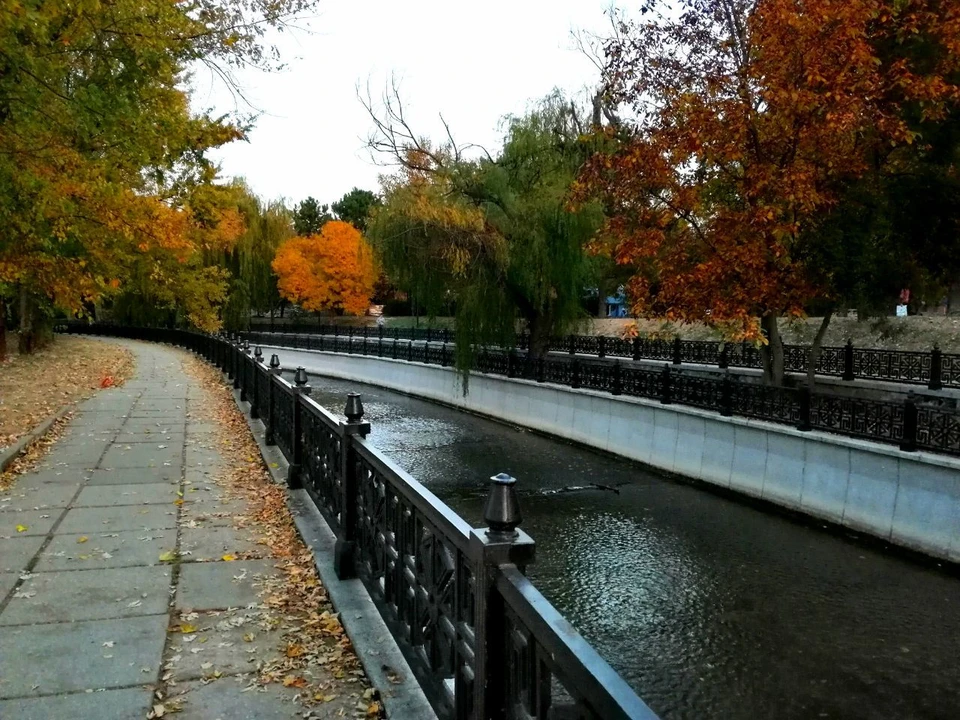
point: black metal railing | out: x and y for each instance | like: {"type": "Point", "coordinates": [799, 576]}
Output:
{"type": "Point", "coordinates": [937, 427]}
{"type": "Point", "coordinates": [934, 369]}
{"type": "Point", "coordinates": [480, 638]}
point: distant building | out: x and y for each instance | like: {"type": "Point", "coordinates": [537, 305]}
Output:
{"type": "Point", "coordinates": [616, 305]}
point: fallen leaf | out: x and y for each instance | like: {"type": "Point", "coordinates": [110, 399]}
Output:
{"type": "Point", "coordinates": [294, 681]}
{"type": "Point", "coordinates": [22, 528]}
{"type": "Point", "coordinates": [294, 650]}
{"type": "Point", "coordinates": [168, 556]}
{"type": "Point", "coordinates": [373, 708]}
{"type": "Point", "coordinates": [186, 628]}
{"type": "Point", "coordinates": [82, 539]}
{"type": "Point", "coordinates": [228, 558]}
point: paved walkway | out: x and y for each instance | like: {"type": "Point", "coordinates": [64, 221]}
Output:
{"type": "Point", "coordinates": [118, 577]}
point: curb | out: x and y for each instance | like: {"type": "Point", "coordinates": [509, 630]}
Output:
{"type": "Point", "coordinates": [382, 661]}
{"type": "Point", "coordinates": [20, 446]}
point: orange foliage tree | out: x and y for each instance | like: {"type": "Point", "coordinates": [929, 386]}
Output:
{"type": "Point", "coordinates": [750, 120]}
{"type": "Point", "coordinates": [332, 271]}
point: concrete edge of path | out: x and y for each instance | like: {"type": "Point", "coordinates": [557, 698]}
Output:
{"type": "Point", "coordinates": [381, 658]}
{"type": "Point", "coordinates": [8, 455]}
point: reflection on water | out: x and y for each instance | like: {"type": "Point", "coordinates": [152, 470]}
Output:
{"type": "Point", "coordinates": [708, 608]}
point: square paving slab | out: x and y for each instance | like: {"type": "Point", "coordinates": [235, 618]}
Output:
{"type": "Point", "coordinates": [136, 476]}
{"type": "Point", "coordinates": [7, 581]}
{"type": "Point", "coordinates": [130, 494]}
{"type": "Point", "coordinates": [151, 435]}
{"type": "Point", "coordinates": [219, 585]}
{"type": "Point", "coordinates": [115, 519]}
{"type": "Point", "coordinates": [139, 425]}
{"type": "Point", "coordinates": [54, 476]}
{"type": "Point", "coordinates": [37, 497]}
{"type": "Point", "coordinates": [124, 704]}
{"type": "Point", "coordinates": [106, 550]}
{"type": "Point", "coordinates": [70, 657]}
{"type": "Point", "coordinates": [27, 522]}
{"type": "Point", "coordinates": [85, 454]}
{"type": "Point", "coordinates": [73, 595]}
{"type": "Point", "coordinates": [212, 543]}
{"type": "Point", "coordinates": [222, 644]}
{"type": "Point", "coordinates": [16, 553]}
{"type": "Point", "coordinates": [225, 699]}
{"type": "Point", "coordinates": [142, 455]}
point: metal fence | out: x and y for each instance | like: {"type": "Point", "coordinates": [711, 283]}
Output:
{"type": "Point", "coordinates": [934, 369]}
{"type": "Point", "coordinates": [480, 638]}
{"type": "Point", "coordinates": [916, 423]}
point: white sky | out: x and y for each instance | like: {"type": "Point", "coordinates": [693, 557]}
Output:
{"type": "Point", "coordinates": [474, 62]}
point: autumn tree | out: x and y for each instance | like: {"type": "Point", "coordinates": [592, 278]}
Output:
{"type": "Point", "coordinates": [333, 271]}
{"type": "Point", "coordinates": [100, 154]}
{"type": "Point", "coordinates": [355, 206]}
{"type": "Point", "coordinates": [758, 129]}
{"type": "Point", "coordinates": [493, 234]}
{"type": "Point", "coordinates": [310, 216]}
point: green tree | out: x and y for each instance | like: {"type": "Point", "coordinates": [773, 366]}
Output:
{"type": "Point", "coordinates": [495, 235]}
{"type": "Point", "coordinates": [309, 216]}
{"type": "Point", "coordinates": [102, 162]}
{"type": "Point", "coordinates": [355, 207]}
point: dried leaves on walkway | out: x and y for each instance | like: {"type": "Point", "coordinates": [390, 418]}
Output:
{"type": "Point", "coordinates": [312, 654]}
{"type": "Point", "coordinates": [33, 387]}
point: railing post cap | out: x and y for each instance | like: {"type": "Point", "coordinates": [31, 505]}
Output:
{"type": "Point", "coordinates": [301, 376]}
{"type": "Point", "coordinates": [274, 361]}
{"type": "Point", "coordinates": [354, 408]}
{"type": "Point", "coordinates": [258, 353]}
{"type": "Point", "coordinates": [502, 512]}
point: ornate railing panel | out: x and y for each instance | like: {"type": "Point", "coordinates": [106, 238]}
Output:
{"type": "Point", "coordinates": [281, 414]}
{"type": "Point", "coordinates": [322, 457]}
{"type": "Point", "coordinates": [858, 417]}
{"type": "Point", "coordinates": [766, 403]}
{"type": "Point", "coordinates": [938, 429]}
{"type": "Point", "coordinates": [413, 558]}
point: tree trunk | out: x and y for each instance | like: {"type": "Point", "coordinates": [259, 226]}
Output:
{"type": "Point", "coordinates": [34, 331]}
{"type": "Point", "coordinates": [816, 348]}
{"type": "Point", "coordinates": [27, 337]}
{"type": "Point", "coordinates": [772, 352]}
{"type": "Point", "coordinates": [539, 328]}
{"type": "Point", "coordinates": [3, 329]}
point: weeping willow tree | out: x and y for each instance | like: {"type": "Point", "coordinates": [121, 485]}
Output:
{"type": "Point", "coordinates": [496, 236]}
{"type": "Point", "coordinates": [252, 285]}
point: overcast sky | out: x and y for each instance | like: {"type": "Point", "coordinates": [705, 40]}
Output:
{"type": "Point", "coordinates": [472, 61]}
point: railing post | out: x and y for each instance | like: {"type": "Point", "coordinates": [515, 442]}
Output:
{"type": "Point", "coordinates": [726, 395]}
{"type": "Point", "coordinates": [723, 359]}
{"type": "Point", "coordinates": [936, 369]}
{"type": "Point", "coordinates": [236, 350]}
{"type": "Point", "coordinates": [269, 438]}
{"type": "Point", "coordinates": [574, 373]}
{"type": "Point", "coordinates": [602, 346]}
{"type": "Point", "coordinates": [541, 370]}
{"type": "Point", "coordinates": [500, 543]}
{"type": "Point", "coordinates": [344, 553]}
{"type": "Point", "coordinates": [255, 399]}
{"type": "Point", "coordinates": [636, 348]}
{"type": "Point", "coordinates": [665, 389]}
{"type": "Point", "coordinates": [909, 441]}
{"type": "Point", "coordinates": [677, 351]}
{"type": "Point", "coordinates": [300, 388]}
{"type": "Point", "coordinates": [848, 360]}
{"type": "Point", "coordinates": [429, 335]}
{"type": "Point", "coordinates": [617, 383]}
{"type": "Point", "coordinates": [444, 360]}
{"type": "Point", "coordinates": [573, 345]}
{"type": "Point", "coordinates": [511, 363]}
{"type": "Point", "coordinates": [803, 402]}
{"type": "Point", "coordinates": [245, 361]}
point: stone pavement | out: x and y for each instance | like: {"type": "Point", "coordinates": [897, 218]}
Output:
{"type": "Point", "coordinates": [118, 577]}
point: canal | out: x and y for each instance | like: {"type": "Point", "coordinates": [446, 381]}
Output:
{"type": "Point", "coordinates": [708, 607]}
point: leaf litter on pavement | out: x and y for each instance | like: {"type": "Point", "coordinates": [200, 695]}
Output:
{"type": "Point", "coordinates": [293, 638]}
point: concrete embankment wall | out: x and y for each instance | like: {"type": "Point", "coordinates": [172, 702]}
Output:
{"type": "Point", "coordinates": [908, 499]}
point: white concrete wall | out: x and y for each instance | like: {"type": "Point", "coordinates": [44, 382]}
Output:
{"type": "Point", "coordinates": [909, 499]}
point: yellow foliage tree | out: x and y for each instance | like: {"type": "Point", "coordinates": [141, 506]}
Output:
{"type": "Point", "coordinates": [332, 271]}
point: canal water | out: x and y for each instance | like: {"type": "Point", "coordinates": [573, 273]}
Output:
{"type": "Point", "coordinates": [708, 607]}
